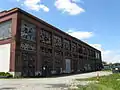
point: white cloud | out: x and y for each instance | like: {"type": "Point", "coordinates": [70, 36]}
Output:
{"type": "Point", "coordinates": [80, 34]}
{"type": "Point", "coordinates": [68, 6]}
{"type": "Point", "coordinates": [35, 5]}
{"type": "Point", "coordinates": [110, 56]}
{"type": "Point", "coordinates": [46, 9]}
{"type": "Point", "coordinates": [77, 1]}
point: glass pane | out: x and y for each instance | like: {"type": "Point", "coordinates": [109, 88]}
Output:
{"type": "Point", "coordinates": [28, 31]}
{"type": "Point", "coordinates": [5, 30]}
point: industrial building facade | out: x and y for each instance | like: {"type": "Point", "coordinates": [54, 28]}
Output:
{"type": "Point", "coordinates": [32, 47]}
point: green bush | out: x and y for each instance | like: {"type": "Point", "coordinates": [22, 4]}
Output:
{"type": "Point", "coordinates": [2, 73]}
{"type": "Point", "coordinates": [5, 74]}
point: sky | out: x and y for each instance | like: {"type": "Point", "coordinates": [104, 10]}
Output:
{"type": "Point", "coordinates": [96, 22]}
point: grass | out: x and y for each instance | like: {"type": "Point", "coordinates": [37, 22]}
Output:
{"type": "Point", "coordinates": [109, 70]}
{"type": "Point", "coordinates": [111, 82]}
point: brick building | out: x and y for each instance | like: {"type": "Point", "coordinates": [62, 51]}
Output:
{"type": "Point", "coordinates": [31, 47]}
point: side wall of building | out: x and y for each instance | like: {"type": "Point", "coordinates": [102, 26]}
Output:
{"type": "Point", "coordinates": [40, 47]}
{"type": "Point", "coordinates": [34, 47]}
{"type": "Point", "coordinates": [8, 24]}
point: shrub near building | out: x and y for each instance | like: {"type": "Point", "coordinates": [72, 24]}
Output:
{"type": "Point", "coordinates": [5, 75]}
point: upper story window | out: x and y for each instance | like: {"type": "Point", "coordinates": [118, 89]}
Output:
{"type": "Point", "coordinates": [46, 51]}
{"type": "Point", "coordinates": [66, 44]}
{"type": "Point", "coordinates": [74, 47]}
{"type": "Point", "coordinates": [58, 53]}
{"type": "Point", "coordinates": [5, 30]}
{"type": "Point", "coordinates": [83, 49]}
{"type": "Point", "coordinates": [97, 55]}
{"type": "Point", "coordinates": [57, 41]}
{"type": "Point", "coordinates": [28, 31]}
{"type": "Point", "coordinates": [28, 46]}
{"type": "Point", "coordinates": [67, 53]}
{"type": "Point", "coordinates": [45, 37]}
{"type": "Point", "coordinates": [80, 49]}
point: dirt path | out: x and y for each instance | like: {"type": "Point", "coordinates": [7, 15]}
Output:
{"type": "Point", "coordinates": [58, 83]}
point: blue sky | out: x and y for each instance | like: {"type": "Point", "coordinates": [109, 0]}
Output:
{"type": "Point", "coordinates": [93, 21]}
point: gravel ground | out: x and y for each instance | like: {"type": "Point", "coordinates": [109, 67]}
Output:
{"type": "Point", "coordinates": [57, 83]}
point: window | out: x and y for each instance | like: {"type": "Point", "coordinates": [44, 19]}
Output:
{"type": "Point", "coordinates": [58, 53]}
{"type": "Point", "coordinates": [83, 49]}
{"type": "Point", "coordinates": [5, 30]}
{"type": "Point", "coordinates": [66, 44]}
{"type": "Point", "coordinates": [75, 56]}
{"type": "Point", "coordinates": [24, 56]}
{"type": "Point", "coordinates": [74, 47]}
{"type": "Point", "coordinates": [57, 41]}
{"type": "Point", "coordinates": [67, 53]}
{"type": "Point", "coordinates": [28, 60]}
{"type": "Point", "coordinates": [28, 31]}
{"type": "Point", "coordinates": [97, 55]}
{"type": "Point", "coordinates": [45, 37]}
{"type": "Point", "coordinates": [80, 49]}
{"type": "Point", "coordinates": [28, 47]}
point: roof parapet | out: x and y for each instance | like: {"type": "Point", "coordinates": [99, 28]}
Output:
{"type": "Point", "coordinates": [5, 12]}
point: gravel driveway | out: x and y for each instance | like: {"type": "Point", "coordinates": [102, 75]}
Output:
{"type": "Point", "coordinates": [58, 83]}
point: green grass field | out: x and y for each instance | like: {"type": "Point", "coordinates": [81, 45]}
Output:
{"type": "Point", "coordinates": [111, 82]}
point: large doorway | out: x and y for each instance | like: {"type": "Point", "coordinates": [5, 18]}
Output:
{"type": "Point", "coordinates": [68, 65]}
{"type": "Point", "coordinates": [4, 57]}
